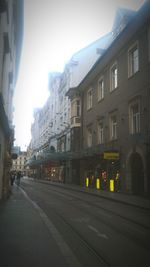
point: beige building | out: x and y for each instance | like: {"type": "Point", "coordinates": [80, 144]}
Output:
{"type": "Point", "coordinates": [19, 164]}
{"type": "Point", "coordinates": [11, 30]}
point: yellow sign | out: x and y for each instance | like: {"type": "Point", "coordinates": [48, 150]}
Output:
{"type": "Point", "coordinates": [98, 183]}
{"type": "Point", "coordinates": [112, 185]}
{"type": "Point", "coordinates": [111, 155]}
{"type": "Point", "coordinates": [87, 182]}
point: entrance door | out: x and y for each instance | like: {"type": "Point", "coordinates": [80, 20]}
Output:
{"type": "Point", "coordinates": [137, 173]}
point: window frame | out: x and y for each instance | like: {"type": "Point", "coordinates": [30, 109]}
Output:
{"type": "Point", "coordinates": [134, 118]}
{"type": "Point", "coordinates": [113, 77]}
{"type": "Point", "coordinates": [89, 98]}
{"type": "Point", "coordinates": [76, 108]}
{"type": "Point", "coordinates": [131, 61]}
{"type": "Point", "coordinates": [113, 127]}
{"type": "Point", "coordinates": [100, 132]}
{"type": "Point", "coordinates": [100, 89]}
{"type": "Point", "coordinates": [89, 134]}
{"type": "Point", "coordinates": [149, 44]}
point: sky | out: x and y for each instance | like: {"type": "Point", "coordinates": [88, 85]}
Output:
{"type": "Point", "coordinates": [53, 31]}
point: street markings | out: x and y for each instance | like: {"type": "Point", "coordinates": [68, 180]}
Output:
{"type": "Point", "coordinates": [97, 232]}
{"type": "Point", "coordinates": [81, 219]}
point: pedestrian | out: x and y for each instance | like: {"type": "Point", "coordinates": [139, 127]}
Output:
{"type": "Point", "coordinates": [12, 178]}
{"type": "Point", "coordinates": [117, 181]}
{"type": "Point", "coordinates": [18, 177]}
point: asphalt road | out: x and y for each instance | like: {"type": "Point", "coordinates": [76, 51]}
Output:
{"type": "Point", "coordinates": [92, 231]}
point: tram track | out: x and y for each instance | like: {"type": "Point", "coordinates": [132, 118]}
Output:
{"type": "Point", "coordinates": [73, 235]}
{"type": "Point", "coordinates": [70, 194]}
{"type": "Point", "coordinates": [87, 208]}
{"type": "Point", "coordinates": [90, 249]}
{"type": "Point", "coordinates": [134, 227]}
{"type": "Point", "coordinates": [109, 223]}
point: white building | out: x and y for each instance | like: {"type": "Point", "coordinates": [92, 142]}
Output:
{"type": "Point", "coordinates": [74, 72]}
{"type": "Point", "coordinates": [46, 120]}
{"type": "Point", "coordinates": [35, 132]}
{"type": "Point", "coordinates": [51, 130]}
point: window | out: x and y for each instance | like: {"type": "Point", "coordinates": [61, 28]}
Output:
{"type": "Point", "coordinates": [89, 98]}
{"type": "Point", "coordinates": [75, 108]}
{"type": "Point", "coordinates": [113, 77]}
{"type": "Point", "coordinates": [134, 118]}
{"type": "Point", "coordinates": [89, 137]}
{"type": "Point", "coordinates": [133, 60]}
{"type": "Point", "coordinates": [149, 44]}
{"type": "Point", "coordinates": [113, 127]}
{"type": "Point", "coordinates": [100, 89]}
{"type": "Point", "coordinates": [78, 107]}
{"type": "Point", "coordinates": [100, 132]}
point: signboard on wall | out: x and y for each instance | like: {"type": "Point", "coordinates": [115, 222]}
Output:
{"type": "Point", "coordinates": [111, 155]}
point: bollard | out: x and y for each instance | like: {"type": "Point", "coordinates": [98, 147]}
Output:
{"type": "Point", "coordinates": [112, 185]}
{"type": "Point", "coordinates": [87, 181]}
{"type": "Point", "coordinates": [97, 183]}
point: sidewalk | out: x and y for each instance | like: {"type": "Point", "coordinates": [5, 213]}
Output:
{"type": "Point", "coordinates": [24, 238]}
{"type": "Point", "coordinates": [137, 201]}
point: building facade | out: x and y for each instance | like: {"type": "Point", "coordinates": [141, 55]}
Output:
{"type": "Point", "coordinates": [115, 111]}
{"type": "Point", "coordinates": [19, 164]}
{"type": "Point", "coordinates": [103, 130]}
{"type": "Point", "coordinates": [52, 130]}
{"type": "Point", "coordinates": [11, 31]}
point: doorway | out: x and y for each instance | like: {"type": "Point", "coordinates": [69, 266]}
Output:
{"type": "Point", "coordinates": [137, 174]}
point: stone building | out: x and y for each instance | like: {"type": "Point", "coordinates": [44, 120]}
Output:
{"type": "Point", "coordinates": [11, 31]}
{"type": "Point", "coordinates": [19, 164]}
{"type": "Point", "coordinates": [115, 111]}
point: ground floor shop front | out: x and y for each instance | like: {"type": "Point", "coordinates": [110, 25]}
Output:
{"type": "Point", "coordinates": [125, 171]}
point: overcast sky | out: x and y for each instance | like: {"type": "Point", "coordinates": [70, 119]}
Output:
{"type": "Point", "coordinates": [53, 31]}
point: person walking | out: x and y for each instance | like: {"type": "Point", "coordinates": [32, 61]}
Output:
{"type": "Point", "coordinates": [18, 178]}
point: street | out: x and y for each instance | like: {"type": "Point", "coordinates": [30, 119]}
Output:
{"type": "Point", "coordinates": [92, 231]}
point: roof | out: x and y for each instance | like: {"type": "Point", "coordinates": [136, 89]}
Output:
{"type": "Point", "coordinates": [124, 36]}
{"type": "Point", "coordinates": [82, 61]}
{"type": "Point", "coordinates": [123, 14]}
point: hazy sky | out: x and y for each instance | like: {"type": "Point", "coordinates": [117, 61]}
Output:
{"type": "Point", "coordinates": [53, 31]}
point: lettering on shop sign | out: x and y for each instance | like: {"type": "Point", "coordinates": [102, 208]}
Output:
{"type": "Point", "coordinates": [111, 155]}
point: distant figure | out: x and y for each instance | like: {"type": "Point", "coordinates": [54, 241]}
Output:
{"type": "Point", "coordinates": [12, 178]}
{"type": "Point", "coordinates": [18, 178]}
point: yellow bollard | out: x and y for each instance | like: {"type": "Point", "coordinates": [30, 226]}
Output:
{"type": "Point", "coordinates": [97, 183]}
{"type": "Point", "coordinates": [112, 185]}
{"type": "Point", "coordinates": [87, 181]}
